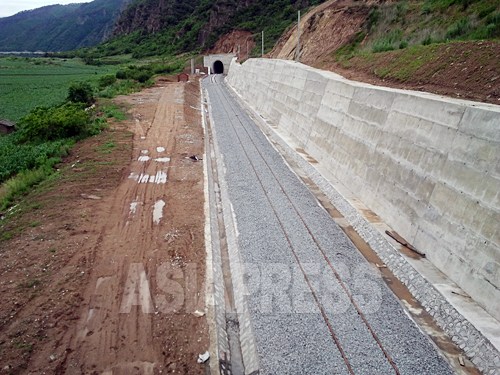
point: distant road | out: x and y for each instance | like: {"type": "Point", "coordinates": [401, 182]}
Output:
{"type": "Point", "coordinates": [23, 53]}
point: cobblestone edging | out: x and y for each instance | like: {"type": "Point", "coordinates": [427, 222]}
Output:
{"type": "Point", "coordinates": [478, 348]}
{"type": "Point", "coordinates": [217, 303]}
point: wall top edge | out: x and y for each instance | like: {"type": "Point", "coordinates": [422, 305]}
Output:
{"type": "Point", "coordinates": [334, 76]}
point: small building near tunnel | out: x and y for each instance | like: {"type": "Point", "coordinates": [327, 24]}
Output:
{"type": "Point", "coordinates": [218, 63]}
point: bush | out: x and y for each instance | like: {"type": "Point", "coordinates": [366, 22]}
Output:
{"type": "Point", "coordinates": [382, 46]}
{"type": "Point", "coordinates": [45, 124]}
{"type": "Point", "coordinates": [373, 17]}
{"type": "Point", "coordinates": [21, 184]}
{"type": "Point", "coordinates": [426, 9]}
{"type": "Point", "coordinates": [16, 157]}
{"type": "Point", "coordinates": [122, 87]}
{"type": "Point", "coordinates": [107, 80]}
{"type": "Point", "coordinates": [138, 73]}
{"type": "Point", "coordinates": [168, 68]}
{"type": "Point", "coordinates": [459, 28]}
{"type": "Point", "coordinates": [143, 76]}
{"type": "Point", "coordinates": [81, 92]}
{"type": "Point", "coordinates": [486, 10]}
{"type": "Point", "coordinates": [121, 74]}
{"type": "Point", "coordinates": [91, 61]}
{"type": "Point", "coordinates": [388, 42]}
{"type": "Point", "coordinates": [428, 40]}
{"type": "Point", "coordinates": [113, 111]}
{"type": "Point", "coordinates": [493, 24]}
{"type": "Point", "coordinates": [141, 73]}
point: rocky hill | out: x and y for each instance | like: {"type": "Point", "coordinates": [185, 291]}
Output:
{"type": "Point", "coordinates": [152, 16]}
{"type": "Point", "coordinates": [153, 27]}
{"type": "Point", "coordinates": [60, 27]}
{"type": "Point", "coordinates": [146, 27]}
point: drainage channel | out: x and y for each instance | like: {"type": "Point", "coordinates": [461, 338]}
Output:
{"type": "Point", "coordinates": [228, 346]}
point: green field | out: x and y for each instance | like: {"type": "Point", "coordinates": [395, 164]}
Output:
{"type": "Point", "coordinates": [29, 82]}
{"type": "Point", "coordinates": [26, 158]}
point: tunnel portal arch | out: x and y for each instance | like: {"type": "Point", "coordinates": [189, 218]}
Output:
{"type": "Point", "coordinates": [218, 67]}
{"type": "Point", "coordinates": [219, 63]}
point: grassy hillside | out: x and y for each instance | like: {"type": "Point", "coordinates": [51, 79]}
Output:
{"type": "Point", "coordinates": [145, 27]}
{"type": "Point", "coordinates": [449, 47]}
{"type": "Point", "coordinates": [198, 29]}
{"type": "Point", "coordinates": [405, 23]}
{"type": "Point", "coordinates": [58, 27]}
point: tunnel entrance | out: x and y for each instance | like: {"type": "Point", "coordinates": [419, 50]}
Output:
{"type": "Point", "coordinates": [218, 67]}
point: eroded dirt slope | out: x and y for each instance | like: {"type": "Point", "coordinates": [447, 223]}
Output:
{"type": "Point", "coordinates": [110, 279]}
{"type": "Point", "coordinates": [239, 42]}
{"type": "Point", "coordinates": [464, 70]}
{"type": "Point", "coordinates": [324, 29]}
{"type": "Point", "coordinates": [333, 34]}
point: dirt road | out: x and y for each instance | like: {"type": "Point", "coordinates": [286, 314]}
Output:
{"type": "Point", "coordinates": [138, 306]}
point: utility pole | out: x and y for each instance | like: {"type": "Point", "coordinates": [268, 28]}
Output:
{"type": "Point", "coordinates": [297, 52]}
{"type": "Point", "coordinates": [262, 43]}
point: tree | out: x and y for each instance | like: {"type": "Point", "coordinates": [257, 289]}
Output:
{"type": "Point", "coordinates": [81, 92]}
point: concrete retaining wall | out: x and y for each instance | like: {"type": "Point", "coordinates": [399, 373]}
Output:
{"type": "Point", "coordinates": [428, 166]}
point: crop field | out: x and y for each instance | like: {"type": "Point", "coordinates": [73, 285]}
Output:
{"type": "Point", "coordinates": [29, 82]}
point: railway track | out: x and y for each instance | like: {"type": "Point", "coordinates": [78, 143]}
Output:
{"type": "Point", "coordinates": [369, 348]}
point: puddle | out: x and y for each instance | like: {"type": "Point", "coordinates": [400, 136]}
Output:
{"type": "Point", "coordinates": [101, 280]}
{"type": "Point", "coordinates": [160, 149]}
{"type": "Point", "coordinates": [133, 207]}
{"type": "Point", "coordinates": [143, 178]}
{"type": "Point", "coordinates": [159, 178]}
{"type": "Point", "coordinates": [144, 152]}
{"type": "Point", "coordinates": [144, 158]}
{"type": "Point", "coordinates": [90, 315]}
{"type": "Point", "coordinates": [413, 310]}
{"type": "Point", "coordinates": [162, 160]}
{"type": "Point", "coordinates": [133, 176]}
{"type": "Point", "coordinates": [158, 211]}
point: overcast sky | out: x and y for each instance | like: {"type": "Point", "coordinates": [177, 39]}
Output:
{"type": "Point", "coordinates": [10, 7]}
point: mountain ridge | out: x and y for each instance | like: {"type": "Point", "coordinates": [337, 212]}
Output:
{"type": "Point", "coordinates": [60, 27]}
{"type": "Point", "coordinates": [145, 29]}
